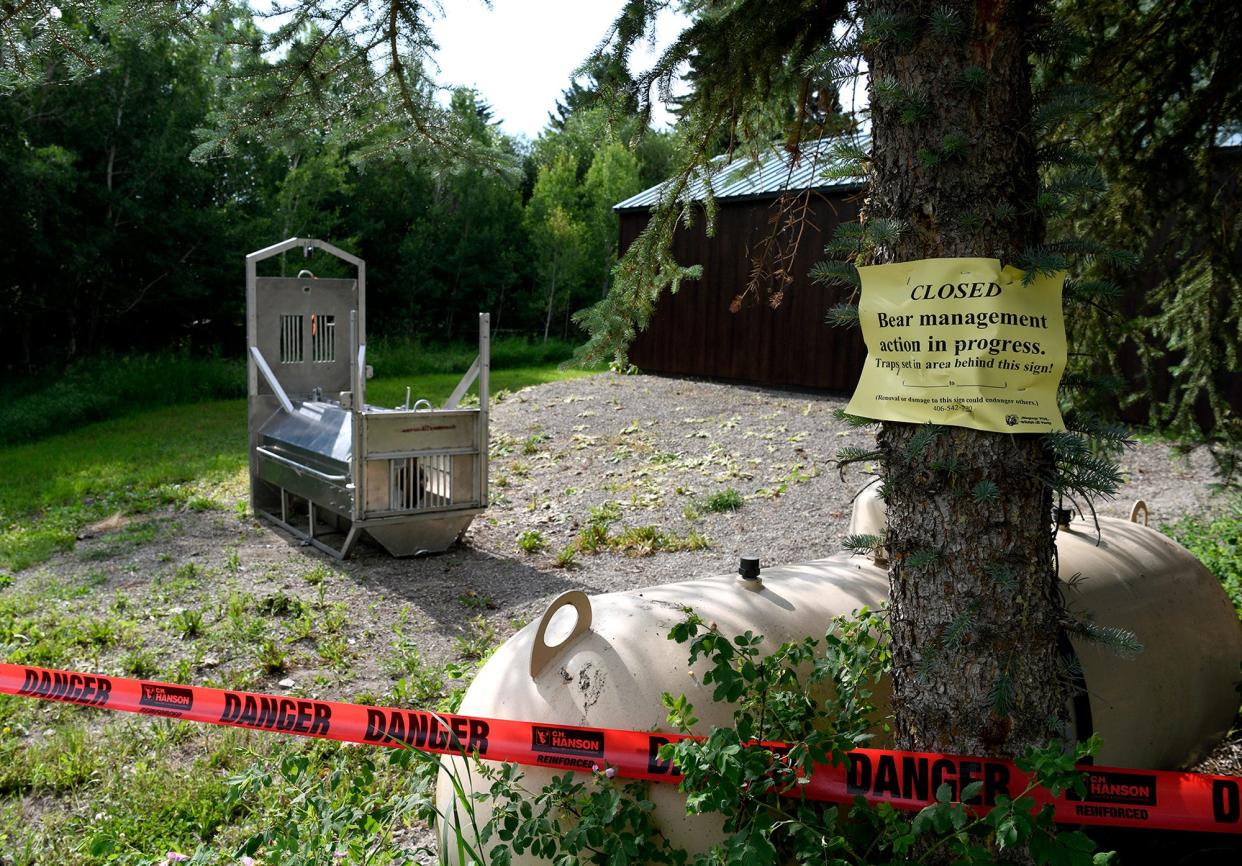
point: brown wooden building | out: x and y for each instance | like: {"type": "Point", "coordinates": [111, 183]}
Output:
{"type": "Point", "coordinates": [696, 333]}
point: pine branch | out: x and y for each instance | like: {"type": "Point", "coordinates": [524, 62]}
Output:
{"type": "Point", "coordinates": [921, 559]}
{"type": "Point", "coordinates": [985, 491]}
{"type": "Point", "coordinates": [855, 421]}
{"type": "Point", "coordinates": [962, 625]}
{"type": "Point", "coordinates": [922, 439]}
{"type": "Point", "coordinates": [842, 316]}
{"type": "Point", "coordinates": [862, 544]}
{"type": "Point", "coordinates": [835, 273]}
{"type": "Point", "coordinates": [854, 454]}
{"type": "Point", "coordinates": [1000, 695]}
{"type": "Point", "coordinates": [1123, 642]}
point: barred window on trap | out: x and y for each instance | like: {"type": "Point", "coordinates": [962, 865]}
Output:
{"type": "Point", "coordinates": [324, 464]}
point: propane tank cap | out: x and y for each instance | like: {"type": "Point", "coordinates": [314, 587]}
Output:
{"type": "Point", "coordinates": [748, 568]}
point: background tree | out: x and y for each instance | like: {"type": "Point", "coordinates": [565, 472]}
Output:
{"type": "Point", "coordinates": [558, 236]}
{"type": "Point", "coordinates": [1166, 95]}
{"type": "Point", "coordinates": [122, 241]}
{"type": "Point", "coordinates": [107, 220]}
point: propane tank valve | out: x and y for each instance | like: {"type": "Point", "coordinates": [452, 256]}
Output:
{"type": "Point", "coordinates": [748, 573]}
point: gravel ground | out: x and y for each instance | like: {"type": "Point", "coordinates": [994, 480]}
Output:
{"type": "Point", "coordinates": [656, 447]}
{"type": "Point", "coordinates": [652, 450]}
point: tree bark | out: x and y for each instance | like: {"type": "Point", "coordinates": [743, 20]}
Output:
{"type": "Point", "coordinates": [975, 602]}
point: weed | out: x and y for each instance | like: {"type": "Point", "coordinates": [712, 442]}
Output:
{"type": "Point", "coordinates": [317, 574]}
{"type": "Point", "coordinates": [182, 670]}
{"type": "Point", "coordinates": [639, 540]}
{"type": "Point", "coordinates": [406, 658]}
{"type": "Point", "coordinates": [334, 650]}
{"type": "Point", "coordinates": [232, 562]}
{"type": "Point", "coordinates": [203, 503]}
{"type": "Point", "coordinates": [335, 618]}
{"type": "Point", "coordinates": [566, 558]}
{"type": "Point", "coordinates": [303, 627]}
{"type": "Point", "coordinates": [647, 540]}
{"type": "Point", "coordinates": [272, 658]}
{"type": "Point", "coordinates": [530, 445]}
{"type": "Point", "coordinates": [188, 575]}
{"type": "Point", "coordinates": [472, 600]}
{"type": "Point", "coordinates": [695, 541]}
{"type": "Point", "coordinates": [103, 633]}
{"type": "Point", "coordinates": [606, 513]}
{"type": "Point", "coordinates": [237, 605]}
{"type": "Point", "coordinates": [592, 538]}
{"type": "Point", "coordinates": [245, 628]}
{"type": "Point", "coordinates": [280, 604]}
{"type": "Point", "coordinates": [188, 623]}
{"type": "Point", "coordinates": [476, 641]}
{"type": "Point", "coordinates": [723, 500]}
{"type": "Point", "coordinates": [140, 664]}
{"type": "Point", "coordinates": [501, 445]}
{"type": "Point", "coordinates": [519, 469]}
{"type": "Point", "coordinates": [531, 541]}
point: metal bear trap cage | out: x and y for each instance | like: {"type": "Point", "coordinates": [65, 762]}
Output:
{"type": "Point", "coordinates": [324, 464]}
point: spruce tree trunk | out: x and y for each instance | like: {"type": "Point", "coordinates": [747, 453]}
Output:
{"type": "Point", "coordinates": [975, 604]}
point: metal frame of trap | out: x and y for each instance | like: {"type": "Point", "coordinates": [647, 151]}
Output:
{"type": "Point", "coordinates": [325, 464]}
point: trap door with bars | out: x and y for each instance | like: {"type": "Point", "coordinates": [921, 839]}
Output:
{"type": "Point", "coordinates": [302, 329]}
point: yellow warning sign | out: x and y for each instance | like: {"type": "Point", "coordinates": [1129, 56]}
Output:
{"type": "Point", "coordinates": [962, 342]}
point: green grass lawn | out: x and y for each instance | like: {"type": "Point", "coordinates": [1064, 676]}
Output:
{"type": "Point", "coordinates": [172, 457]}
{"type": "Point", "coordinates": [122, 791]}
{"type": "Point", "coordinates": [390, 390]}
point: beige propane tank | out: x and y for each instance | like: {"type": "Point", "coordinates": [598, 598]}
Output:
{"type": "Point", "coordinates": [1167, 706]}
{"type": "Point", "coordinates": [606, 661]}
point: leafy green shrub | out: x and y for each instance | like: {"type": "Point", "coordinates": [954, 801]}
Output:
{"type": "Point", "coordinates": [1217, 543]}
{"type": "Point", "coordinates": [726, 772]}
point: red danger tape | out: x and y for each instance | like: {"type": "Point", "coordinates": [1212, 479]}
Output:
{"type": "Point", "coordinates": [1149, 799]}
